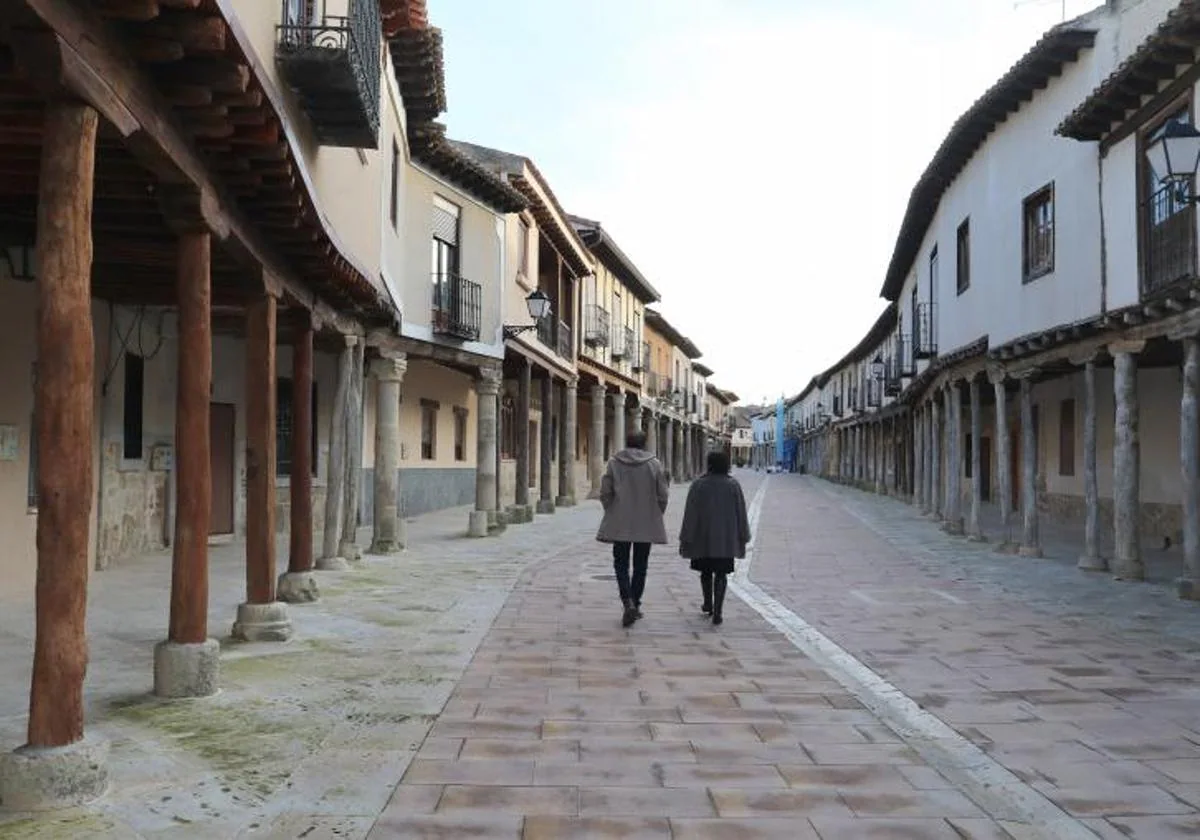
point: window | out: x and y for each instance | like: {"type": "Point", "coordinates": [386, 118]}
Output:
{"type": "Point", "coordinates": [394, 210]}
{"type": "Point", "coordinates": [444, 252]}
{"type": "Point", "coordinates": [285, 427]}
{"type": "Point", "coordinates": [460, 434]}
{"type": "Point", "coordinates": [933, 275]}
{"type": "Point", "coordinates": [1066, 438]}
{"type": "Point", "coordinates": [135, 370]}
{"type": "Point", "coordinates": [1038, 239]}
{"type": "Point", "coordinates": [1166, 214]}
{"type": "Point", "coordinates": [523, 248]}
{"type": "Point", "coordinates": [429, 415]}
{"type": "Point", "coordinates": [508, 435]}
{"type": "Point", "coordinates": [962, 264]}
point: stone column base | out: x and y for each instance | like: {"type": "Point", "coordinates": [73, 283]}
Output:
{"type": "Point", "coordinates": [46, 778]}
{"type": "Point", "coordinates": [1130, 570]}
{"type": "Point", "coordinates": [332, 564]}
{"type": "Point", "coordinates": [565, 501]}
{"type": "Point", "coordinates": [497, 522]}
{"type": "Point", "coordinates": [519, 514]}
{"type": "Point", "coordinates": [1029, 551]}
{"type": "Point", "coordinates": [1188, 588]}
{"type": "Point", "coordinates": [350, 551]}
{"type": "Point", "coordinates": [298, 588]}
{"type": "Point", "coordinates": [1092, 564]}
{"type": "Point", "coordinates": [595, 494]}
{"type": "Point", "coordinates": [976, 538]}
{"type": "Point", "coordinates": [477, 523]}
{"type": "Point", "coordinates": [954, 529]}
{"type": "Point", "coordinates": [545, 506]}
{"type": "Point", "coordinates": [262, 623]}
{"type": "Point", "coordinates": [1006, 547]}
{"type": "Point", "coordinates": [187, 670]}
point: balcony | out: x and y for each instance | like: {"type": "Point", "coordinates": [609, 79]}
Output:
{"type": "Point", "coordinates": [1170, 239]}
{"type": "Point", "coordinates": [545, 333]}
{"type": "Point", "coordinates": [893, 379]}
{"type": "Point", "coordinates": [639, 356]}
{"type": "Point", "coordinates": [906, 362]}
{"type": "Point", "coordinates": [872, 391]}
{"type": "Point", "coordinates": [925, 331]}
{"type": "Point", "coordinates": [332, 64]}
{"type": "Point", "coordinates": [597, 331]}
{"type": "Point", "coordinates": [563, 340]}
{"type": "Point", "coordinates": [623, 346]}
{"type": "Point", "coordinates": [457, 307]}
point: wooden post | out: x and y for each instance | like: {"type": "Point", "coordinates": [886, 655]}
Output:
{"type": "Point", "coordinates": [298, 585]}
{"type": "Point", "coordinates": [64, 400]}
{"type": "Point", "coordinates": [189, 570]}
{"type": "Point", "coordinates": [261, 618]}
{"type": "Point", "coordinates": [545, 502]}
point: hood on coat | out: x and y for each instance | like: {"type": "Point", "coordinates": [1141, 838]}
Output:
{"type": "Point", "coordinates": [633, 457]}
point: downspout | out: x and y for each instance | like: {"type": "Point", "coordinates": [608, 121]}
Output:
{"type": "Point", "coordinates": [1103, 235]}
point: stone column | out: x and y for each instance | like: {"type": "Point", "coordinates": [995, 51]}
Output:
{"type": "Point", "coordinates": [298, 584]}
{"type": "Point", "coordinates": [680, 458]}
{"type": "Point", "coordinates": [1091, 559]}
{"type": "Point", "coordinates": [634, 422]}
{"type": "Point", "coordinates": [919, 459]}
{"type": "Point", "coordinates": [1003, 463]}
{"type": "Point", "coordinates": [618, 414]}
{"type": "Point", "coordinates": [685, 433]}
{"type": "Point", "coordinates": [348, 548]}
{"type": "Point", "coordinates": [1030, 540]}
{"type": "Point", "coordinates": [954, 460]}
{"type": "Point", "coordinates": [880, 459]}
{"type": "Point", "coordinates": [545, 503]}
{"type": "Point", "coordinates": [596, 439]}
{"type": "Point", "coordinates": [487, 388]}
{"type": "Point", "coordinates": [1189, 460]}
{"type": "Point", "coordinates": [669, 447]}
{"type": "Point", "coordinates": [261, 618]}
{"type": "Point", "coordinates": [1127, 554]}
{"type": "Point", "coordinates": [388, 530]}
{"type": "Point", "coordinates": [59, 767]}
{"type": "Point", "coordinates": [652, 434]}
{"type": "Point", "coordinates": [974, 528]}
{"type": "Point", "coordinates": [521, 511]}
{"type": "Point", "coordinates": [335, 480]}
{"type": "Point", "coordinates": [935, 460]}
{"type": "Point", "coordinates": [566, 444]}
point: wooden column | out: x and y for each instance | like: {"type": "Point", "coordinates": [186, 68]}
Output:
{"type": "Point", "coordinates": [348, 547]}
{"type": "Point", "coordinates": [1127, 550]}
{"type": "Point", "coordinates": [566, 443]}
{"type": "Point", "coordinates": [64, 423]}
{"type": "Point", "coordinates": [521, 510]}
{"type": "Point", "coordinates": [1030, 539]}
{"type": "Point", "coordinates": [193, 469]}
{"type": "Point", "coordinates": [546, 449]}
{"type": "Point", "coordinates": [335, 471]}
{"type": "Point", "coordinates": [974, 527]}
{"type": "Point", "coordinates": [261, 617]}
{"type": "Point", "coordinates": [1001, 448]}
{"type": "Point", "coordinates": [1091, 559]}
{"type": "Point", "coordinates": [1188, 584]}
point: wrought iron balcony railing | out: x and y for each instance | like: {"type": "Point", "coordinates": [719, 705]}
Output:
{"type": "Point", "coordinates": [623, 345]}
{"type": "Point", "coordinates": [893, 382]}
{"type": "Point", "coordinates": [596, 329]}
{"type": "Point", "coordinates": [332, 64]}
{"type": "Point", "coordinates": [925, 331]}
{"type": "Point", "coordinates": [545, 333]}
{"type": "Point", "coordinates": [906, 361]}
{"type": "Point", "coordinates": [457, 307]}
{"type": "Point", "coordinates": [1169, 216]}
{"type": "Point", "coordinates": [872, 390]}
{"type": "Point", "coordinates": [563, 336]}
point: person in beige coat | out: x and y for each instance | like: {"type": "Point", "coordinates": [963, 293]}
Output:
{"type": "Point", "coordinates": [634, 493]}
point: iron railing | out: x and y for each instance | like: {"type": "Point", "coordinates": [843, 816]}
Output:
{"type": "Point", "coordinates": [457, 306]}
{"type": "Point", "coordinates": [872, 388]}
{"type": "Point", "coordinates": [623, 346]}
{"type": "Point", "coordinates": [925, 331]}
{"type": "Point", "coordinates": [323, 55]}
{"type": "Point", "coordinates": [563, 334]}
{"type": "Point", "coordinates": [1170, 239]}
{"type": "Point", "coordinates": [640, 358]}
{"type": "Point", "coordinates": [545, 332]}
{"type": "Point", "coordinates": [892, 377]}
{"type": "Point", "coordinates": [596, 329]}
{"type": "Point", "coordinates": [906, 362]}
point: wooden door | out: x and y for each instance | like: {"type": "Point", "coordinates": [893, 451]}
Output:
{"type": "Point", "coordinates": [985, 468]}
{"type": "Point", "coordinates": [221, 418]}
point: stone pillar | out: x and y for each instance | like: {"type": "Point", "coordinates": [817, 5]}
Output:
{"type": "Point", "coordinates": [669, 447]}
{"type": "Point", "coordinates": [1091, 559]}
{"type": "Point", "coordinates": [545, 503]}
{"type": "Point", "coordinates": [974, 528]}
{"type": "Point", "coordinates": [388, 530]}
{"type": "Point", "coordinates": [487, 388]}
{"type": "Point", "coordinates": [618, 414]}
{"type": "Point", "coordinates": [880, 459]}
{"type": "Point", "coordinates": [1189, 460]}
{"type": "Point", "coordinates": [919, 459]}
{"type": "Point", "coordinates": [1003, 463]}
{"type": "Point", "coordinates": [348, 547]}
{"type": "Point", "coordinates": [298, 584]}
{"type": "Point", "coordinates": [335, 483]}
{"type": "Point", "coordinates": [680, 458]}
{"type": "Point", "coordinates": [1127, 554]}
{"type": "Point", "coordinates": [261, 618]}
{"type": "Point", "coordinates": [685, 433]}
{"type": "Point", "coordinates": [566, 444]}
{"type": "Point", "coordinates": [954, 460]}
{"type": "Point", "coordinates": [634, 421]}
{"type": "Point", "coordinates": [59, 767]}
{"type": "Point", "coordinates": [1030, 540]}
{"type": "Point", "coordinates": [652, 434]}
{"type": "Point", "coordinates": [596, 440]}
{"type": "Point", "coordinates": [935, 460]}
{"type": "Point", "coordinates": [521, 510]}
{"type": "Point", "coordinates": [187, 664]}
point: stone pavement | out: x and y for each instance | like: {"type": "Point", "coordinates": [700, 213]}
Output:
{"type": "Point", "coordinates": [1086, 688]}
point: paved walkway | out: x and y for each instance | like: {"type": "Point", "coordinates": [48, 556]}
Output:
{"type": "Point", "coordinates": [484, 689]}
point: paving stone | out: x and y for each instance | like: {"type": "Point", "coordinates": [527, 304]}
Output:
{"type": "Point", "coordinates": [457, 799]}
{"type": "Point", "coordinates": [490, 827]}
{"type": "Point", "coordinates": [721, 775]}
{"type": "Point", "coordinates": [795, 828]}
{"type": "Point", "coordinates": [469, 771]}
{"type": "Point", "coordinates": [587, 828]}
{"type": "Point", "coordinates": [751, 803]}
{"type": "Point", "coordinates": [634, 801]}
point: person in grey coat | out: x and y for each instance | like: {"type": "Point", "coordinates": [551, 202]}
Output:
{"type": "Point", "coordinates": [715, 530]}
{"type": "Point", "coordinates": [634, 493]}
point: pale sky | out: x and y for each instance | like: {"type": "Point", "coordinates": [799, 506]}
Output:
{"type": "Point", "coordinates": [752, 157]}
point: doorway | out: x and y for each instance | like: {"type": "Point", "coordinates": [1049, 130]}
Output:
{"type": "Point", "coordinates": [221, 419]}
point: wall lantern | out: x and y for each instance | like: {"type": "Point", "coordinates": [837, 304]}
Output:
{"type": "Point", "coordinates": [877, 367]}
{"type": "Point", "coordinates": [1175, 154]}
{"type": "Point", "coordinates": [20, 262]}
{"type": "Point", "coordinates": [539, 308]}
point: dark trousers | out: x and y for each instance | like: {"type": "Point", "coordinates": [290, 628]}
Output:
{"type": "Point", "coordinates": [631, 590]}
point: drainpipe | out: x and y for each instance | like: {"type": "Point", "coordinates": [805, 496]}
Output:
{"type": "Point", "coordinates": [1103, 236]}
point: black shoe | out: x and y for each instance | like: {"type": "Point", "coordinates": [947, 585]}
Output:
{"type": "Point", "coordinates": [706, 608]}
{"type": "Point", "coordinates": [637, 608]}
{"type": "Point", "coordinates": [717, 618]}
{"type": "Point", "coordinates": [630, 615]}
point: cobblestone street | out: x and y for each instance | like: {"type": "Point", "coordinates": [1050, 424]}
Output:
{"type": "Point", "coordinates": [485, 689]}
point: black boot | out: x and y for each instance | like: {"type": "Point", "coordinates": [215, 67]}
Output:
{"type": "Point", "coordinates": [706, 587]}
{"type": "Point", "coordinates": [630, 614]}
{"type": "Point", "coordinates": [718, 598]}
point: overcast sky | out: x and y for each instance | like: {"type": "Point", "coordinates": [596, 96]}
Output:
{"type": "Point", "coordinates": [753, 157]}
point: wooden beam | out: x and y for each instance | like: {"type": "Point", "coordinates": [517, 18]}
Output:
{"type": "Point", "coordinates": [135, 10]}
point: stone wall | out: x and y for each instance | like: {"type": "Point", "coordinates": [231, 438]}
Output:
{"type": "Point", "coordinates": [133, 504]}
{"type": "Point", "coordinates": [421, 491]}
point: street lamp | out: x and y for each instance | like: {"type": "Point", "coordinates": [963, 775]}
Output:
{"type": "Point", "coordinates": [1175, 153]}
{"type": "Point", "coordinates": [539, 308]}
{"type": "Point", "coordinates": [877, 367]}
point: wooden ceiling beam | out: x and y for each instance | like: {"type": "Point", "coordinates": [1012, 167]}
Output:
{"type": "Point", "coordinates": [131, 10]}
